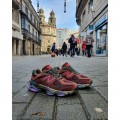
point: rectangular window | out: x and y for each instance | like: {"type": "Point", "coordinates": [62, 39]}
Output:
{"type": "Point", "coordinates": [36, 34]}
{"type": "Point", "coordinates": [33, 31]}
{"type": "Point", "coordinates": [29, 28]}
{"type": "Point", "coordinates": [90, 4]}
{"type": "Point", "coordinates": [101, 35]}
{"type": "Point", "coordinates": [83, 16]}
{"type": "Point", "coordinates": [31, 16]}
{"type": "Point", "coordinates": [38, 25]}
{"type": "Point", "coordinates": [15, 16]}
{"type": "Point", "coordinates": [34, 21]}
{"type": "Point", "coordinates": [24, 22]}
{"type": "Point", "coordinates": [26, 11]}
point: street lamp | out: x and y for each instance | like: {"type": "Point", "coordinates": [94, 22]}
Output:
{"type": "Point", "coordinates": [37, 6]}
{"type": "Point", "coordinates": [64, 6]}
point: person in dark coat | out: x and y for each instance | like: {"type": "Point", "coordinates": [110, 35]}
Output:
{"type": "Point", "coordinates": [64, 49]}
{"type": "Point", "coordinates": [72, 42]}
{"type": "Point", "coordinates": [53, 48]}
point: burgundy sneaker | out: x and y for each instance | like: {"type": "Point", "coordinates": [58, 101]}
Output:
{"type": "Point", "coordinates": [54, 84]}
{"type": "Point", "coordinates": [72, 75]}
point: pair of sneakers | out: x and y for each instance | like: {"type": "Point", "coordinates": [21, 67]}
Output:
{"type": "Point", "coordinates": [56, 81]}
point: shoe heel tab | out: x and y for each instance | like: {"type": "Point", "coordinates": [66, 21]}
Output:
{"type": "Point", "coordinates": [35, 72]}
{"type": "Point", "coordinates": [57, 68]}
{"type": "Point", "coordinates": [38, 71]}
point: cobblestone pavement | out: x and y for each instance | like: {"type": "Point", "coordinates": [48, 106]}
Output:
{"type": "Point", "coordinates": [85, 104]}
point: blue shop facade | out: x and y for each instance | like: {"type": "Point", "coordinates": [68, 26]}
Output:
{"type": "Point", "coordinates": [101, 34]}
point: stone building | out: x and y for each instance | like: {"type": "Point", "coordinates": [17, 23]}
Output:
{"type": "Point", "coordinates": [29, 26]}
{"type": "Point", "coordinates": [48, 31]}
{"type": "Point", "coordinates": [92, 17]}
{"type": "Point", "coordinates": [17, 37]}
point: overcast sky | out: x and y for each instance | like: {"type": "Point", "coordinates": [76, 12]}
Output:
{"type": "Point", "coordinates": [63, 20]}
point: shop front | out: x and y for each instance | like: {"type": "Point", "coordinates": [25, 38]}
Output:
{"type": "Point", "coordinates": [101, 36]}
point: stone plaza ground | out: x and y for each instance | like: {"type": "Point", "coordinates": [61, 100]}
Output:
{"type": "Point", "coordinates": [85, 104]}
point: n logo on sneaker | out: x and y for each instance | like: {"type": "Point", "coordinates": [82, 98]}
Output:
{"type": "Point", "coordinates": [47, 79]}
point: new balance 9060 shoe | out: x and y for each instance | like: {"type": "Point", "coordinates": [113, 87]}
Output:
{"type": "Point", "coordinates": [72, 75]}
{"type": "Point", "coordinates": [51, 82]}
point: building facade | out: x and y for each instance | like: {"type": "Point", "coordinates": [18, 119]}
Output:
{"type": "Point", "coordinates": [48, 31]}
{"type": "Point", "coordinates": [29, 25]}
{"type": "Point", "coordinates": [92, 17]}
{"type": "Point", "coordinates": [17, 37]}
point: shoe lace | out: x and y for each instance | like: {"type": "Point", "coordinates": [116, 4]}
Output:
{"type": "Point", "coordinates": [55, 73]}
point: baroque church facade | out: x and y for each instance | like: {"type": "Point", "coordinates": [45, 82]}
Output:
{"type": "Point", "coordinates": [48, 31]}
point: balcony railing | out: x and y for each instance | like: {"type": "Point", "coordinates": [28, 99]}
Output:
{"type": "Point", "coordinates": [30, 36]}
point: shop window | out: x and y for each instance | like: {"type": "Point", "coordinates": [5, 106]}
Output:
{"type": "Point", "coordinates": [101, 35]}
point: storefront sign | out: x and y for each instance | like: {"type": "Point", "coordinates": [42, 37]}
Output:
{"type": "Point", "coordinates": [101, 20]}
{"type": "Point", "coordinates": [90, 27]}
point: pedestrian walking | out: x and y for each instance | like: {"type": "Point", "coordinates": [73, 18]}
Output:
{"type": "Point", "coordinates": [73, 43]}
{"type": "Point", "coordinates": [89, 41]}
{"type": "Point", "coordinates": [64, 49]}
{"type": "Point", "coordinates": [53, 48]}
{"type": "Point", "coordinates": [83, 48]}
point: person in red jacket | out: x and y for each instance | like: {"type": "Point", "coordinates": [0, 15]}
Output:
{"type": "Point", "coordinates": [83, 48]}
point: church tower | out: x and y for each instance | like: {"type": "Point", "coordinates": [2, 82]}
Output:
{"type": "Point", "coordinates": [41, 16]}
{"type": "Point", "coordinates": [48, 31]}
{"type": "Point", "coordinates": [52, 19]}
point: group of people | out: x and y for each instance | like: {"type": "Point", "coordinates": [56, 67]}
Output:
{"type": "Point", "coordinates": [86, 47]}
{"type": "Point", "coordinates": [62, 51]}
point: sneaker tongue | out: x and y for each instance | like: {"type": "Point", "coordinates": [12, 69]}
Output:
{"type": "Point", "coordinates": [66, 65]}
{"type": "Point", "coordinates": [47, 67]}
